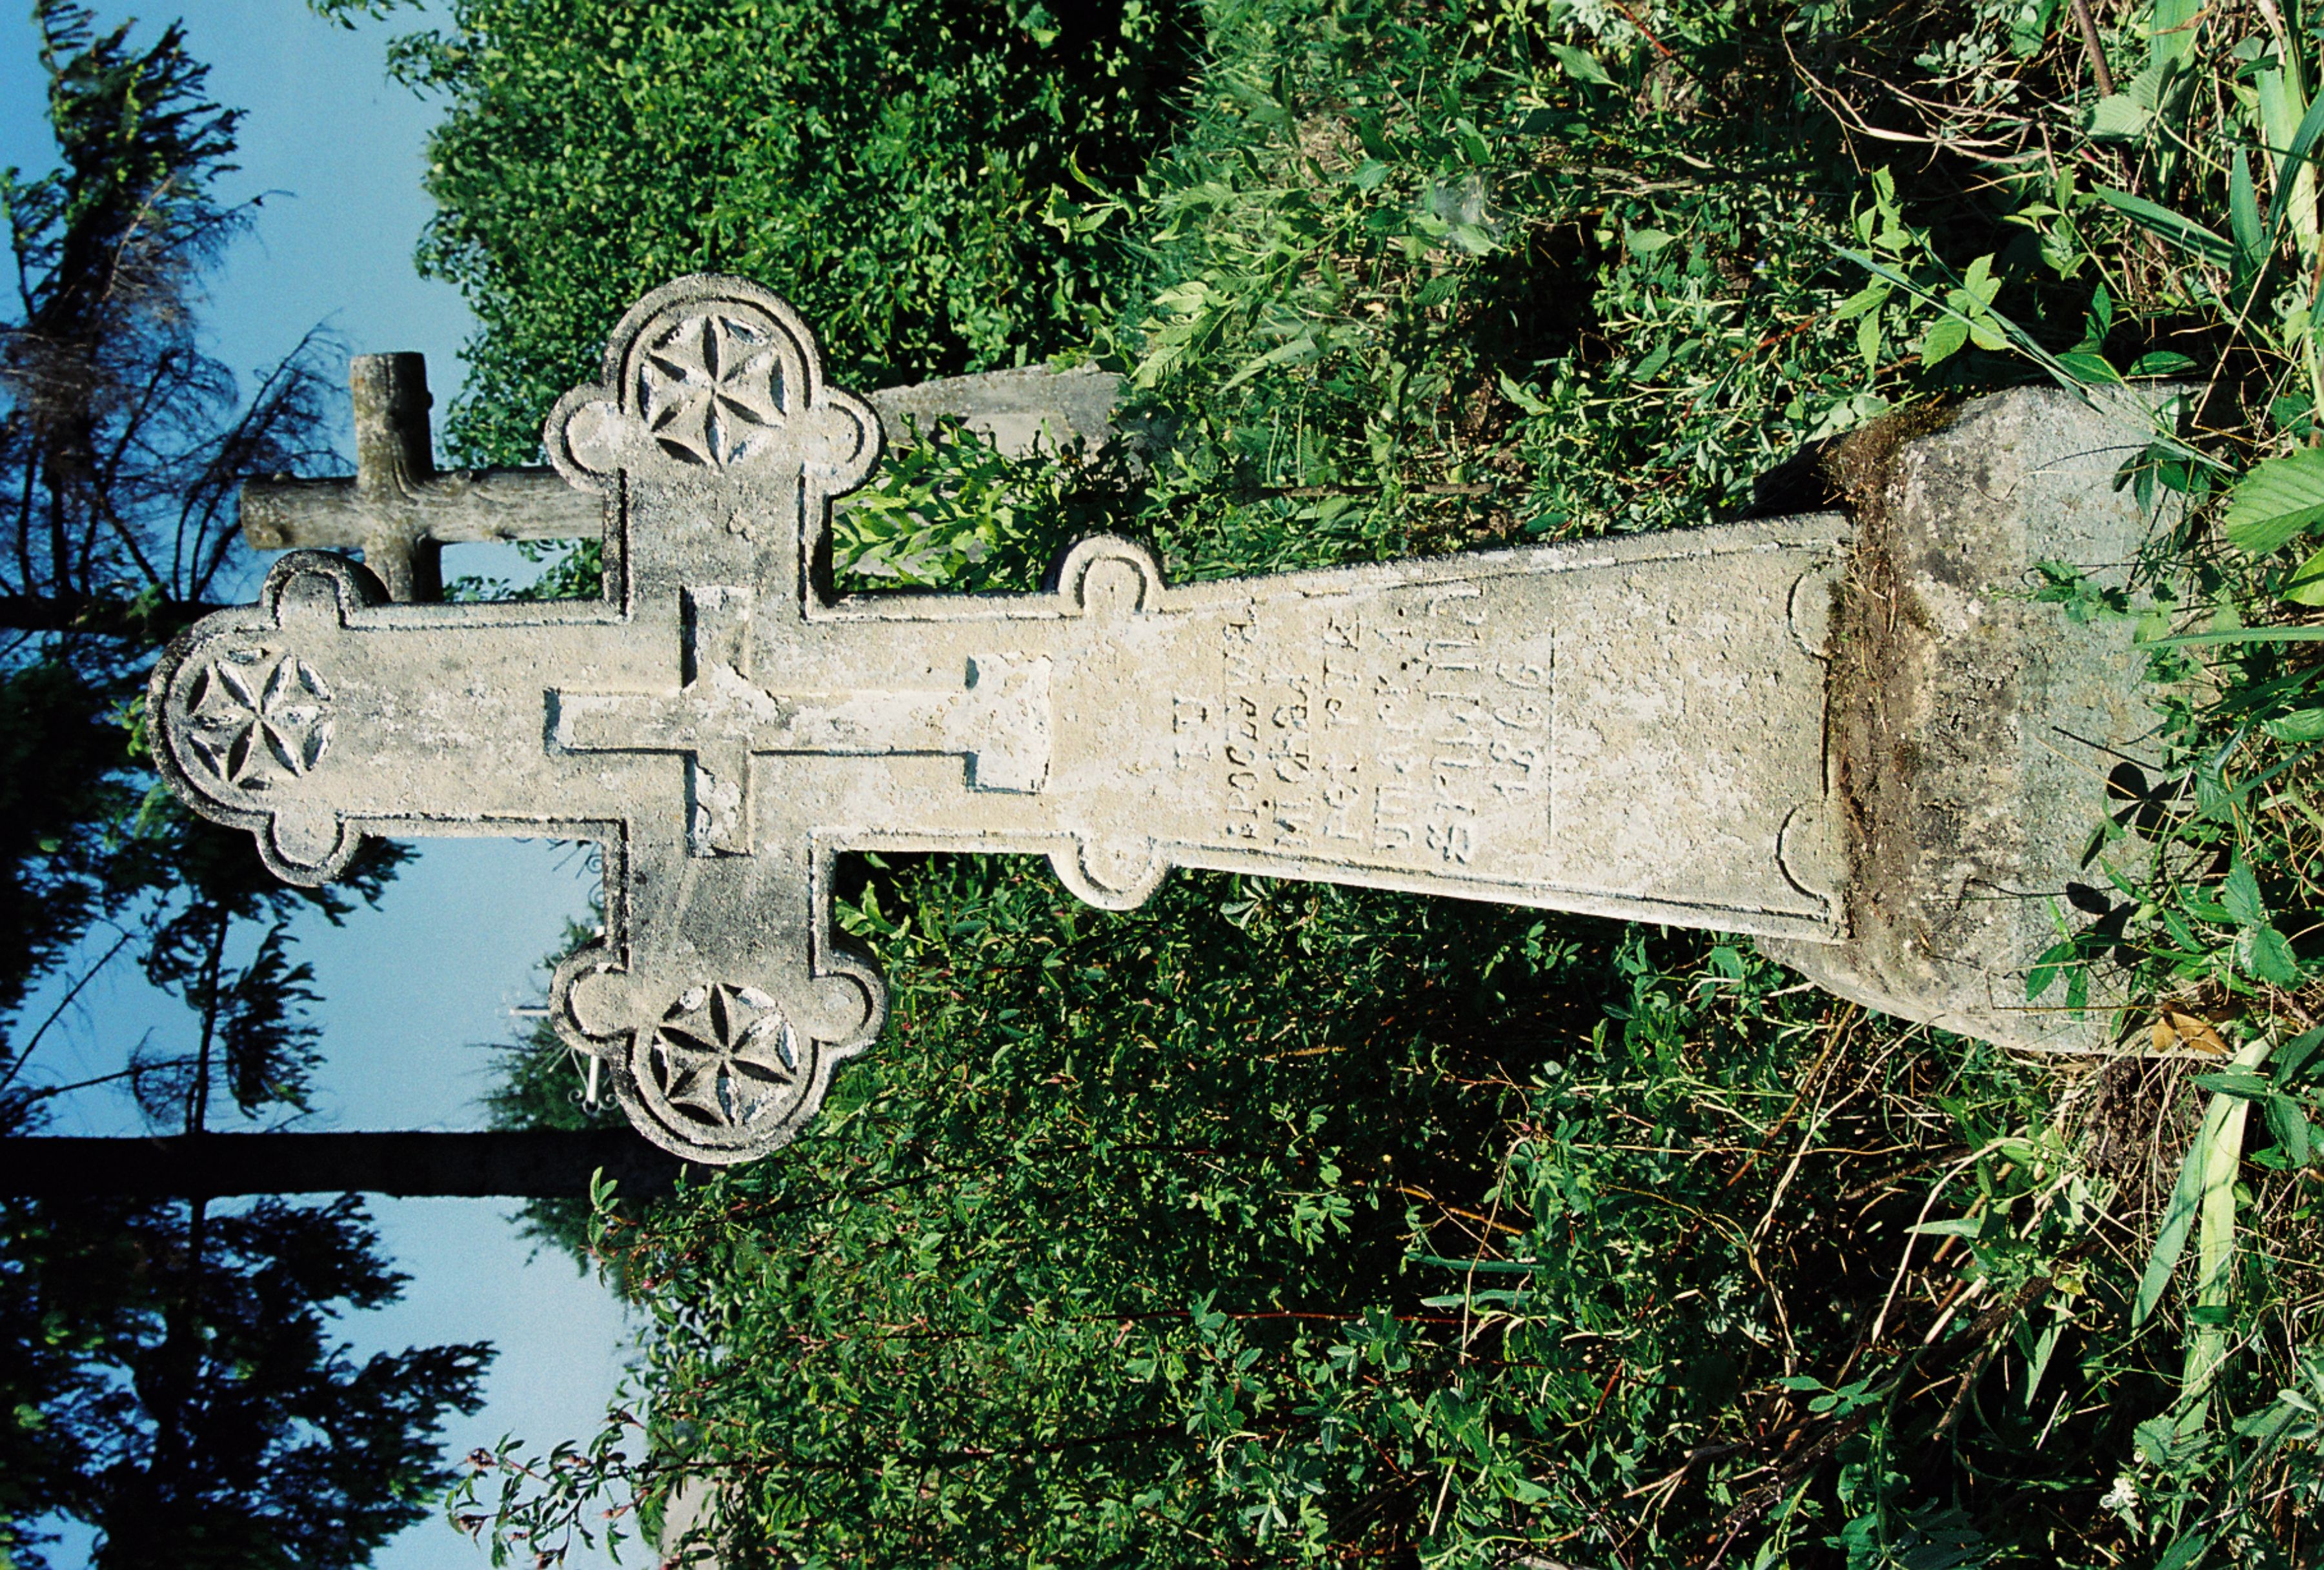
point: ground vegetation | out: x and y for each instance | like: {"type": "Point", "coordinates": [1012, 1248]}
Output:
{"type": "Point", "coordinates": [1276, 1224]}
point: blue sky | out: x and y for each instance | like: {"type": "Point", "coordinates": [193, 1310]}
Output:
{"type": "Point", "coordinates": [417, 992]}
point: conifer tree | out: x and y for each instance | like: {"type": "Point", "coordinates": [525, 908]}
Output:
{"type": "Point", "coordinates": [168, 1373]}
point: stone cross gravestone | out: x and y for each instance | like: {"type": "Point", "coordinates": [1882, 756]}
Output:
{"type": "Point", "coordinates": [1631, 728]}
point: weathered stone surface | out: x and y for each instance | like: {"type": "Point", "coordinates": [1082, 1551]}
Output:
{"type": "Point", "coordinates": [1626, 727]}
{"type": "Point", "coordinates": [1634, 728]}
{"type": "Point", "coordinates": [1017, 410]}
{"type": "Point", "coordinates": [1974, 731]}
{"type": "Point", "coordinates": [400, 512]}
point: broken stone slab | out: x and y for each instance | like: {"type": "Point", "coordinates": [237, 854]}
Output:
{"type": "Point", "coordinates": [400, 512]}
{"type": "Point", "coordinates": [1700, 728]}
{"type": "Point", "coordinates": [1018, 411]}
{"type": "Point", "coordinates": [1978, 739]}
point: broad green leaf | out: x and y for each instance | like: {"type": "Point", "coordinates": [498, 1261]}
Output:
{"type": "Point", "coordinates": [2289, 1125]}
{"type": "Point", "coordinates": [2170, 31]}
{"type": "Point", "coordinates": [2163, 1438]}
{"type": "Point", "coordinates": [2305, 586]}
{"type": "Point", "coordinates": [1522, 396]}
{"type": "Point", "coordinates": [2294, 1054]}
{"type": "Point", "coordinates": [2182, 232]}
{"type": "Point", "coordinates": [2118, 117]}
{"type": "Point", "coordinates": [2270, 1423]}
{"type": "Point", "coordinates": [2185, 1553]}
{"type": "Point", "coordinates": [2125, 115]}
{"type": "Point", "coordinates": [2037, 1364]}
{"type": "Point", "coordinates": [2281, 106]}
{"type": "Point", "coordinates": [2177, 1218]}
{"type": "Point", "coordinates": [2215, 1250]}
{"type": "Point", "coordinates": [1644, 243]}
{"type": "Point", "coordinates": [1942, 339]}
{"type": "Point", "coordinates": [1298, 351]}
{"type": "Point", "coordinates": [2278, 501]}
{"type": "Point", "coordinates": [1979, 282]}
{"type": "Point", "coordinates": [1871, 297]}
{"type": "Point", "coordinates": [2295, 153]}
{"type": "Point", "coordinates": [2093, 369]}
{"type": "Point", "coordinates": [2030, 25]}
{"type": "Point", "coordinates": [2304, 724]}
{"type": "Point", "coordinates": [2160, 363]}
{"type": "Point", "coordinates": [2240, 893]}
{"type": "Point", "coordinates": [2267, 955]}
{"type": "Point", "coordinates": [2205, 1179]}
{"type": "Point", "coordinates": [2044, 969]}
{"type": "Point", "coordinates": [2249, 1086]}
{"type": "Point", "coordinates": [1580, 65]}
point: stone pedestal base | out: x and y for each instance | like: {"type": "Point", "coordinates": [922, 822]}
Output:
{"type": "Point", "coordinates": [1973, 731]}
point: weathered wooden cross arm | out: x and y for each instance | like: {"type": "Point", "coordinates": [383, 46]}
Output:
{"type": "Point", "coordinates": [396, 508]}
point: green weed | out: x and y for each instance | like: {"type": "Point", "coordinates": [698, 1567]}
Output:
{"type": "Point", "coordinates": [1296, 1225]}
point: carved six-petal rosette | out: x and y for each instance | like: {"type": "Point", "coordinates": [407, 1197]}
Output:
{"type": "Point", "coordinates": [712, 384]}
{"type": "Point", "coordinates": [257, 716]}
{"type": "Point", "coordinates": [247, 723]}
{"type": "Point", "coordinates": [723, 1071]}
{"type": "Point", "coordinates": [707, 377]}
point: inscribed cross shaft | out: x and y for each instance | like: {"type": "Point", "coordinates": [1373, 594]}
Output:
{"type": "Point", "coordinates": [1631, 728]}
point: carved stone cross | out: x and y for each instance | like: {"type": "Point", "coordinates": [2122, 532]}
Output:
{"type": "Point", "coordinates": [1629, 727]}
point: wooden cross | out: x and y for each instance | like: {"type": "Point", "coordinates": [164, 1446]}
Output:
{"type": "Point", "coordinates": [1629, 727]}
{"type": "Point", "coordinates": [396, 508]}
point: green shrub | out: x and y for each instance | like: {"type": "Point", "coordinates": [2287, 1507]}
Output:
{"type": "Point", "coordinates": [887, 166]}
{"type": "Point", "coordinates": [1288, 1225]}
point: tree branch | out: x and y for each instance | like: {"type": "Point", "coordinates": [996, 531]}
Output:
{"type": "Point", "coordinates": [517, 1164]}
{"type": "Point", "coordinates": [155, 622]}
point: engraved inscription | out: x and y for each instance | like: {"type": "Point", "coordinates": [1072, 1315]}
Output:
{"type": "Point", "coordinates": [1407, 726]}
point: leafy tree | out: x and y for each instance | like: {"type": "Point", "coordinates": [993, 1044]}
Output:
{"type": "Point", "coordinates": [178, 1387]}
{"type": "Point", "coordinates": [123, 444]}
{"type": "Point", "coordinates": [904, 172]}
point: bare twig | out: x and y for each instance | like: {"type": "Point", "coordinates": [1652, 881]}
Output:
{"type": "Point", "coordinates": [17, 1065]}
{"type": "Point", "coordinates": [2092, 50]}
